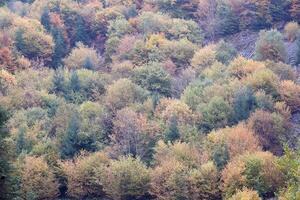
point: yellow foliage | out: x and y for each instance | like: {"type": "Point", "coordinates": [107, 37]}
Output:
{"type": "Point", "coordinates": [245, 194]}
{"type": "Point", "coordinates": [290, 93]}
{"type": "Point", "coordinates": [81, 172]}
{"type": "Point", "coordinates": [37, 179]}
{"type": "Point", "coordinates": [239, 139]}
{"type": "Point", "coordinates": [240, 67]}
{"type": "Point", "coordinates": [204, 58]}
{"type": "Point", "coordinates": [168, 108]}
{"type": "Point", "coordinates": [155, 40]}
{"type": "Point", "coordinates": [291, 31]}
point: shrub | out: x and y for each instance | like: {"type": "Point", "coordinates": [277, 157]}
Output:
{"type": "Point", "coordinates": [291, 31]}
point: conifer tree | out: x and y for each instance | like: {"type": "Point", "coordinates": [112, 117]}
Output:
{"type": "Point", "coordinates": [172, 133]}
{"type": "Point", "coordinates": [81, 34]}
{"type": "Point", "coordinates": [60, 49]}
{"type": "Point", "coordinates": [4, 160]}
{"type": "Point", "coordinates": [87, 64]}
{"type": "Point", "coordinates": [45, 19]}
{"type": "Point", "coordinates": [74, 82]}
{"type": "Point", "coordinates": [70, 142]}
{"type": "Point", "coordinates": [21, 141]}
{"type": "Point", "coordinates": [58, 82]}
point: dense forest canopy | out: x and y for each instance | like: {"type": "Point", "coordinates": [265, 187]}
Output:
{"type": "Point", "coordinates": [149, 99]}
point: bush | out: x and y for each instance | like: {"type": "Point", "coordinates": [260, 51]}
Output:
{"type": "Point", "coordinates": [270, 46]}
{"type": "Point", "coordinates": [291, 31]}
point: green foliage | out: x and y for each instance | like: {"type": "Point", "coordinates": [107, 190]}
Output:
{"type": "Point", "coordinates": [45, 19]}
{"type": "Point", "coordinates": [227, 21]}
{"type": "Point", "coordinates": [243, 103]}
{"type": "Point", "coordinates": [270, 46]}
{"type": "Point", "coordinates": [60, 48]}
{"type": "Point", "coordinates": [225, 52]}
{"type": "Point", "coordinates": [216, 114]}
{"type": "Point", "coordinates": [126, 178]}
{"type": "Point", "coordinates": [70, 141]}
{"type": "Point", "coordinates": [172, 133]}
{"type": "Point", "coordinates": [153, 78]}
{"type": "Point", "coordinates": [5, 166]}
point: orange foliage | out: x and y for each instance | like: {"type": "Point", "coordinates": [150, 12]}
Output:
{"type": "Point", "coordinates": [239, 139]}
{"type": "Point", "coordinates": [290, 93]}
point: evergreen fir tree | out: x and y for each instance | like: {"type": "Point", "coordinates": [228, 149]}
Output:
{"type": "Point", "coordinates": [58, 82]}
{"type": "Point", "coordinates": [172, 133]}
{"type": "Point", "coordinates": [19, 40]}
{"type": "Point", "coordinates": [244, 102]}
{"type": "Point", "coordinates": [74, 82]}
{"type": "Point", "coordinates": [45, 19]}
{"type": "Point", "coordinates": [81, 34]}
{"type": "Point", "coordinates": [60, 49]}
{"type": "Point", "coordinates": [21, 141]}
{"type": "Point", "coordinates": [88, 64]}
{"type": "Point", "coordinates": [295, 10]}
{"type": "Point", "coordinates": [5, 183]}
{"type": "Point", "coordinates": [70, 142]}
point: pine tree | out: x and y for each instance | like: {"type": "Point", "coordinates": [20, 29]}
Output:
{"type": "Point", "coordinates": [70, 142]}
{"type": "Point", "coordinates": [19, 40]}
{"type": "Point", "coordinates": [58, 82]}
{"type": "Point", "coordinates": [81, 34]}
{"type": "Point", "coordinates": [45, 19]}
{"type": "Point", "coordinates": [172, 133]}
{"type": "Point", "coordinates": [74, 82]}
{"type": "Point", "coordinates": [5, 185]}
{"type": "Point", "coordinates": [60, 49]}
{"type": "Point", "coordinates": [298, 53]}
{"type": "Point", "coordinates": [21, 141]}
{"type": "Point", "coordinates": [87, 64]}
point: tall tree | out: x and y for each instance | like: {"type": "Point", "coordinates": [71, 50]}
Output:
{"type": "Point", "coordinates": [70, 142]}
{"type": "Point", "coordinates": [5, 167]}
{"type": "Point", "coordinates": [60, 48]}
{"type": "Point", "coordinates": [45, 19]}
{"type": "Point", "coordinates": [81, 34]}
{"type": "Point", "coordinates": [172, 133]}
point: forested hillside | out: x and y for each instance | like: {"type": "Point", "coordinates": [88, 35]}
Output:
{"type": "Point", "coordinates": [149, 99]}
